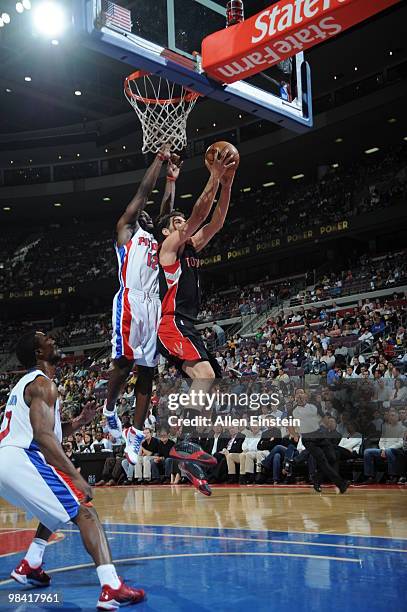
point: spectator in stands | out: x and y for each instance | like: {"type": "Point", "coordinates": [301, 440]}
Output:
{"type": "Point", "coordinates": [85, 446]}
{"type": "Point", "coordinates": [220, 334]}
{"type": "Point", "coordinates": [329, 359]}
{"type": "Point", "coordinates": [349, 446]}
{"type": "Point", "coordinates": [398, 397]}
{"type": "Point", "coordinates": [366, 338]}
{"type": "Point", "coordinates": [391, 439]}
{"type": "Point", "coordinates": [101, 443]}
{"type": "Point", "coordinates": [113, 472]}
{"type": "Point", "coordinates": [149, 449]}
{"type": "Point", "coordinates": [162, 458]}
{"type": "Point", "coordinates": [246, 458]}
{"type": "Point", "coordinates": [220, 472]}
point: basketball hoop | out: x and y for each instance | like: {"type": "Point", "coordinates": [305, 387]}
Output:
{"type": "Point", "coordinates": [163, 108]}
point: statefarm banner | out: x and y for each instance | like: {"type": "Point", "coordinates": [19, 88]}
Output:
{"type": "Point", "coordinates": [279, 32]}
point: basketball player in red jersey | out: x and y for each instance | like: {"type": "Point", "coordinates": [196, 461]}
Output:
{"type": "Point", "coordinates": [178, 339]}
{"type": "Point", "coordinates": [136, 306]}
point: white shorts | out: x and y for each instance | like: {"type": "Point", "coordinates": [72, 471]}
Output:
{"type": "Point", "coordinates": [27, 481]}
{"type": "Point", "coordinates": [135, 322]}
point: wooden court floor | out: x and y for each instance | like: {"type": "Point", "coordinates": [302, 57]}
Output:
{"type": "Point", "coordinates": [241, 548]}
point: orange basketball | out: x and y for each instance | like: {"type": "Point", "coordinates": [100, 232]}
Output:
{"type": "Point", "coordinates": [221, 146]}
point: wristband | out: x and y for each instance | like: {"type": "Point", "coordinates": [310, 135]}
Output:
{"type": "Point", "coordinates": [171, 178]}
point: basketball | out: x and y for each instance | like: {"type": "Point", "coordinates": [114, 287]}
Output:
{"type": "Point", "coordinates": [221, 146]}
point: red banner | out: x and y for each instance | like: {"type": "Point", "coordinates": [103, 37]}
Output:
{"type": "Point", "coordinates": [279, 32]}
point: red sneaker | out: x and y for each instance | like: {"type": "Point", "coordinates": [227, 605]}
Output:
{"type": "Point", "coordinates": [111, 599]}
{"type": "Point", "coordinates": [196, 476]}
{"type": "Point", "coordinates": [24, 574]}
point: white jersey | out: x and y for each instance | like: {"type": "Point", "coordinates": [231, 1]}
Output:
{"type": "Point", "coordinates": [138, 263]}
{"type": "Point", "coordinates": [16, 429]}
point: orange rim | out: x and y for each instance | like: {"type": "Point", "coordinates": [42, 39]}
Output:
{"type": "Point", "coordinates": [191, 95]}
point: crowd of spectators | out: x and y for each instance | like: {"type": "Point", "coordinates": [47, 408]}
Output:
{"type": "Point", "coordinates": [370, 274]}
{"type": "Point", "coordinates": [352, 361]}
{"type": "Point", "coordinates": [341, 193]}
{"type": "Point", "coordinates": [84, 330]}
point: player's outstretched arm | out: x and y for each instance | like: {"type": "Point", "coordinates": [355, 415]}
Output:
{"type": "Point", "coordinates": [173, 169]}
{"type": "Point", "coordinates": [207, 232]}
{"type": "Point", "coordinates": [86, 416]}
{"type": "Point", "coordinates": [129, 218]}
{"type": "Point", "coordinates": [41, 398]}
{"type": "Point", "coordinates": [201, 210]}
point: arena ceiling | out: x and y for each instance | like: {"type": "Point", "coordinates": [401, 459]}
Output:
{"type": "Point", "coordinates": [56, 72]}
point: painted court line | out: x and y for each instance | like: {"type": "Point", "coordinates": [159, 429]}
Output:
{"type": "Point", "coordinates": [208, 554]}
{"type": "Point", "coordinates": [325, 533]}
{"type": "Point", "coordinates": [241, 539]}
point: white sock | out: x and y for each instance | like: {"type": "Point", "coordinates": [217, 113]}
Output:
{"type": "Point", "coordinates": [107, 575]}
{"type": "Point", "coordinates": [35, 552]}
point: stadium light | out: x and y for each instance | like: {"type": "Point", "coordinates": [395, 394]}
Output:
{"type": "Point", "coordinates": [5, 17]}
{"type": "Point", "coordinates": [26, 4]}
{"type": "Point", "coordinates": [372, 150]}
{"type": "Point", "coordinates": [185, 196]}
{"type": "Point", "coordinates": [271, 184]}
{"type": "Point", "coordinates": [296, 177]}
{"type": "Point", "coordinates": [49, 19]}
{"type": "Point", "coordinates": [19, 7]}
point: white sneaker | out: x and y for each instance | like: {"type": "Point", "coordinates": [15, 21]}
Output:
{"type": "Point", "coordinates": [134, 438]}
{"type": "Point", "coordinates": [113, 422]}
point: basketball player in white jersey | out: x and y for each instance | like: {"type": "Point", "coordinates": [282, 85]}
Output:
{"type": "Point", "coordinates": [136, 306]}
{"type": "Point", "coordinates": [35, 473]}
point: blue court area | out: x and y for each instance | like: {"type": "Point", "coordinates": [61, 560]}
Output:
{"type": "Point", "coordinates": [208, 569]}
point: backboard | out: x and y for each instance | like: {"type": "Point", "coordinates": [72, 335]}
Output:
{"type": "Point", "coordinates": [164, 37]}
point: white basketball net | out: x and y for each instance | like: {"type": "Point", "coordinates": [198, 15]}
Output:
{"type": "Point", "coordinates": [163, 108]}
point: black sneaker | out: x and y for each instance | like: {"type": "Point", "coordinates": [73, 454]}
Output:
{"type": "Point", "coordinates": [344, 487]}
{"type": "Point", "coordinates": [288, 467]}
{"type": "Point", "coordinates": [188, 451]}
{"type": "Point", "coordinates": [317, 487]}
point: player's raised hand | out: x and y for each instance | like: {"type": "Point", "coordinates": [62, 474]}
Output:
{"type": "Point", "coordinates": [88, 412]}
{"type": "Point", "coordinates": [221, 163]}
{"type": "Point", "coordinates": [174, 166]}
{"type": "Point", "coordinates": [165, 152]}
